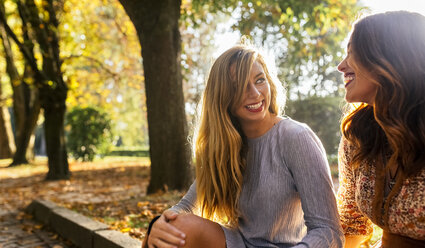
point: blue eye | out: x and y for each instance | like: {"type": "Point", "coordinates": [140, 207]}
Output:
{"type": "Point", "coordinates": [260, 81]}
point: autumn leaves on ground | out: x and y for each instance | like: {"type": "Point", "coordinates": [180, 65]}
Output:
{"type": "Point", "coordinates": [111, 190]}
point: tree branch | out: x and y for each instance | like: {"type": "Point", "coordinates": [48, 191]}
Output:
{"type": "Point", "coordinates": [32, 63]}
{"type": "Point", "coordinates": [96, 61]}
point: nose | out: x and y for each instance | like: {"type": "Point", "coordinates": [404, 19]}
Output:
{"type": "Point", "coordinates": [343, 65]}
{"type": "Point", "coordinates": [253, 92]}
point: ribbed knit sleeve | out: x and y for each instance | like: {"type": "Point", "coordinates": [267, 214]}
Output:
{"type": "Point", "coordinates": [306, 160]}
{"type": "Point", "coordinates": [187, 203]}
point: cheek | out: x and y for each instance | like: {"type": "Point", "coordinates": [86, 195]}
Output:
{"type": "Point", "coordinates": [367, 85]}
{"type": "Point", "coordinates": [268, 93]}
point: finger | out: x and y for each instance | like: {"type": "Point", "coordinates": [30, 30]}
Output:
{"type": "Point", "coordinates": [145, 242]}
{"type": "Point", "coordinates": [169, 236]}
{"type": "Point", "coordinates": [167, 227]}
{"type": "Point", "coordinates": [161, 224]}
{"type": "Point", "coordinates": [170, 215]}
{"type": "Point", "coordinates": [162, 239]}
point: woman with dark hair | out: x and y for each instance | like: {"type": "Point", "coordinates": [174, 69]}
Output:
{"type": "Point", "coordinates": [382, 152]}
{"type": "Point", "coordinates": [262, 179]}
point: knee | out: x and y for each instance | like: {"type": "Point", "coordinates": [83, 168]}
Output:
{"type": "Point", "coordinates": [200, 232]}
{"type": "Point", "coordinates": [187, 223]}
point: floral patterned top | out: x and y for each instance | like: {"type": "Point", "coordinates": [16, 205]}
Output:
{"type": "Point", "coordinates": [402, 211]}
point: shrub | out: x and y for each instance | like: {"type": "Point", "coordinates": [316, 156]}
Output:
{"type": "Point", "coordinates": [129, 152]}
{"type": "Point", "coordinates": [89, 132]}
{"type": "Point", "coordinates": [322, 114]}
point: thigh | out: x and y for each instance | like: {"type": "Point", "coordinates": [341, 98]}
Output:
{"type": "Point", "coordinates": [200, 232]}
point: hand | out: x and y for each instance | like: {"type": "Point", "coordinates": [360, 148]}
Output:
{"type": "Point", "coordinates": [165, 235]}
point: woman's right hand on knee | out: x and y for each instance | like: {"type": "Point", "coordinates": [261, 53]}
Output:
{"type": "Point", "coordinates": [165, 235]}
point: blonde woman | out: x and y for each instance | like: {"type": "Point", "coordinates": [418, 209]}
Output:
{"type": "Point", "coordinates": [262, 180]}
{"type": "Point", "coordinates": [382, 158]}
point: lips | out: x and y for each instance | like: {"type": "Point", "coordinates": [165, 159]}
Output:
{"type": "Point", "coordinates": [255, 107]}
{"type": "Point", "coordinates": [348, 78]}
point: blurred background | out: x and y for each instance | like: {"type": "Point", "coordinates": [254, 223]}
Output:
{"type": "Point", "coordinates": [108, 89]}
{"type": "Point", "coordinates": [100, 60]}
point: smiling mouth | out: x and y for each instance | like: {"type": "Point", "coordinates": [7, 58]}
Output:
{"type": "Point", "coordinates": [348, 78]}
{"type": "Point", "coordinates": [257, 107]}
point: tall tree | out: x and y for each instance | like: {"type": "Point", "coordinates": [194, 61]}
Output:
{"type": "Point", "coordinates": [52, 88]}
{"type": "Point", "coordinates": [157, 26]}
{"type": "Point", "coordinates": [7, 144]}
{"type": "Point", "coordinates": [26, 103]}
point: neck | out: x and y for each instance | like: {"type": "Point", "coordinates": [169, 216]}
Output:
{"type": "Point", "coordinates": [256, 129]}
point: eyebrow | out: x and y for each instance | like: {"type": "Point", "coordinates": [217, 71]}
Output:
{"type": "Point", "coordinates": [259, 74]}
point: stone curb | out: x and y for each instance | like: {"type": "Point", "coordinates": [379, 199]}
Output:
{"type": "Point", "coordinates": [80, 230]}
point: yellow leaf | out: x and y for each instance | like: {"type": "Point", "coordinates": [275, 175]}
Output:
{"type": "Point", "coordinates": [146, 213]}
{"type": "Point", "coordinates": [124, 230]}
{"type": "Point", "coordinates": [282, 19]}
{"type": "Point", "coordinates": [142, 204]}
{"type": "Point", "coordinates": [289, 11]}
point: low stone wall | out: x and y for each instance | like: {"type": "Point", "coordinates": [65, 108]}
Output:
{"type": "Point", "coordinates": [80, 230]}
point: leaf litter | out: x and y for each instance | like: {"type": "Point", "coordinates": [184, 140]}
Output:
{"type": "Point", "coordinates": [111, 191]}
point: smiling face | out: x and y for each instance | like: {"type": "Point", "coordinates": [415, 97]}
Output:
{"type": "Point", "coordinates": [254, 108]}
{"type": "Point", "coordinates": [358, 86]}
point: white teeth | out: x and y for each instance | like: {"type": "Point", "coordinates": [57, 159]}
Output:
{"type": "Point", "coordinates": [255, 106]}
{"type": "Point", "coordinates": [349, 78]}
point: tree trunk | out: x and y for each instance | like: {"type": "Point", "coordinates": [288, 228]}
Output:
{"type": "Point", "coordinates": [53, 93]}
{"type": "Point", "coordinates": [7, 145]}
{"type": "Point", "coordinates": [157, 26]}
{"type": "Point", "coordinates": [27, 110]}
{"type": "Point", "coordinates": [6, 135]}
{"type": "Point", "coordinates": [24, 150]}
{"type": "Point", "coordinates": [54, 113]}
{"type": "Point", "coordinates": [26, 103]}
{"type": "Point", "coordinates": [52, 88]}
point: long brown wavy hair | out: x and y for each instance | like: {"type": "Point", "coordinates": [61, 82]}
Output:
{"type": "Point", "coordinates": [220, 145]}
{"type": "Point", "coordinates": [390, 49]}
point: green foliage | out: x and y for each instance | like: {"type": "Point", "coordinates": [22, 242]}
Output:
{"type": "Point", "coordinates": [129, 152]}
{"type": "Point", "coordinates": [89, 132]}
{"type": "Point", "coordinates": [102, 65]}
{"type": "Point", "coordinates": [322, 114]}
{"type": "Point", "coordinates": [306, 36]}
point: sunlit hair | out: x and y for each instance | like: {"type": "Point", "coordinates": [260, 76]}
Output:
{"type": "Point", "coordinates": [390, 49]}
{"type": "Point", "coordinates": [220, 145]}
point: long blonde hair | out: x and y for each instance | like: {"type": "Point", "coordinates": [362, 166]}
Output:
{"type": "Point", "coordinates": [220, 145]}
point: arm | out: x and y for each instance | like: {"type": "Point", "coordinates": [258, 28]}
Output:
{"type": "Point", "coordinates": [187, 203]}
{"type": "Point", "coordinates": [355, 225]}
{"type": "Point", "coordinates": [354, 241]}
{"type": "Point", "coordinates": [307, 162]}
{"type": "Point", "coordinates": [163, 234]}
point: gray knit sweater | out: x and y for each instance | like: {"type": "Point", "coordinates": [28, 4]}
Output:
{"type": "Point", "coordinates": [287, 197]}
